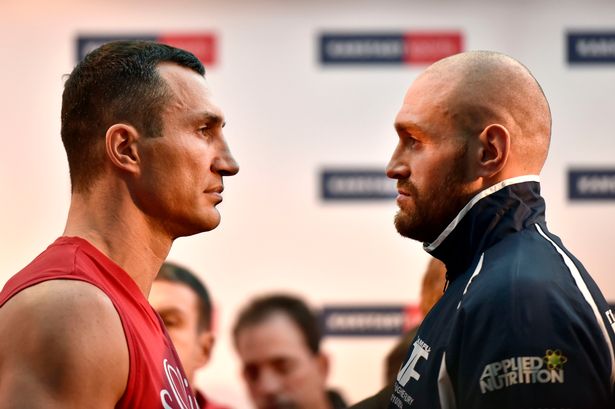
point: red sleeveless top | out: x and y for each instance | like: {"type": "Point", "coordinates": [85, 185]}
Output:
{"type": "Point", "coordinates": [156, 378]}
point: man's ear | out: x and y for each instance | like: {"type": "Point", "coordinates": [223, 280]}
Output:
{"type": "Point", "coordinates": [121, 147]}
{"type": "Point", "coordinates": [323, 364]}
{"type": "Point", "coordinates": [494, 149]}
{"type": "Point", "coordinates": [206, 340]}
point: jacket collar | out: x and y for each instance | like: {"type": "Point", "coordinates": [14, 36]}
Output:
{"type": "Point", "coordinates": [496, 212]}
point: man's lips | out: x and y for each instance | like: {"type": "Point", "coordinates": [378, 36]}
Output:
{"type": "Point", "coordinates": [404, 196]}
{"type": "Point", "coordinates": [216, 191]}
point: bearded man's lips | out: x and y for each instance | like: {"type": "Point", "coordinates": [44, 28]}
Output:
{"type": "Point", "coordinates": [404, 192]}
{"type": "Point", "coordinates": [403, 197]}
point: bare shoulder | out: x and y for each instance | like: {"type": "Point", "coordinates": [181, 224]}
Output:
{"type": "Point", "coordinates": [65, 345]}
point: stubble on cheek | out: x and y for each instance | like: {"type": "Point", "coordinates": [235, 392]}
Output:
{"type": "Point", "coordinates": [408, 218]}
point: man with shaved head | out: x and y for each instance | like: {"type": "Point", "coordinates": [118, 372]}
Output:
{"type": "Point", "coordinates": [521, 324]}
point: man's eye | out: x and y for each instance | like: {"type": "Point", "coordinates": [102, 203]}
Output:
{"type": "Point", "coordinates": [171, 321]}
{"type": "Point", "coordinates": [410, 141]}
{"type": "Point", "coordinates": [284, 366]}
{"type": "Point", "coordinates": [251, 372]}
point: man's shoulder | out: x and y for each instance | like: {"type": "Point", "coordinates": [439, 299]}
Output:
{"type": "Point", "coordinates": [59, 260]}
{"type": "Point", "coordinates": [61, 292]}
{"type": "Point", "coordinates": [534, 247]}
{"type": "Point", "coordinates": [68, 309]}
{"type": "Point", "coordinates": [527, 283]}
{"type": "Point", "coordinates": [60, 324]}
{"type": "Point", "coordinates": [527, 262]}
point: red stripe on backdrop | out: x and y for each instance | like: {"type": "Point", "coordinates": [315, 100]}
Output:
{"type": "Point", "coordinates": [204, 46]}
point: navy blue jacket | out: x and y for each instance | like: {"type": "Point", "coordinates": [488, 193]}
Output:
{"type": "Point", "coordinates": [521, 324]}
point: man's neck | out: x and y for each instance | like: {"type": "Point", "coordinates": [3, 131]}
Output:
{"type": "Point", "coordinates": [120, 231]}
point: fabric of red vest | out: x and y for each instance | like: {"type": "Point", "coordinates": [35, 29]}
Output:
{"type": "Point", "coordinates": [156, 378]}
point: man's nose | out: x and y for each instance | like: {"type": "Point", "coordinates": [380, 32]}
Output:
{"type": "Point", "coordinates": [398, 167]}
{"type": "Point", "coordinates": [269, 383]}
{"type": "Point", "coordinates": [224, 163]}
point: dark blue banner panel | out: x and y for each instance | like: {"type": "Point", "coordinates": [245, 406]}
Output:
{"type": "Point", "coordinates": [356, 184]}
{"type": "Point", "coordinates": [591, 47]}
{"type": "Point", "coordinates": [364, 321]}
{"type": "Point", "coordinates": [591, 184]}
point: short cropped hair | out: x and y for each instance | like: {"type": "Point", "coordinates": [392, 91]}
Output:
{"type": "Point", "coordinates": [260, 309]}
{"type": "Point", "coordinates": [116, 83]}
{"type": "Point", "coordinates": [174, 273]}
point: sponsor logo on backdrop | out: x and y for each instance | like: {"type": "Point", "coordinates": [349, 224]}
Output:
{"type": "Point", "coordinates": [591, 184]}
{"type": "Point", "coordinates": [389, 48]}
{"type": "Point", "coordinates": [356, 184]}
{"type": "Point", "coordinates": [351, 321]}
{"type": "Point", "coordinates": [591, 47]}
{"type": "Point", "coordinates": [548, 368]}
{"type": "Point", "coordinates": [202, 45]}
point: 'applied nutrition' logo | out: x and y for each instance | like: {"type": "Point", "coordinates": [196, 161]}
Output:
{"type": "Point", "coordinates": [523, 370]}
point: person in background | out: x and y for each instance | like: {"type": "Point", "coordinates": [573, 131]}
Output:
{"type": "Point", "coordinates": [147, 157]}
{"type": "Point", "coordinates": [277, 339]}
{"type": "Point", "coordinates": [521, 324]}
{"type": "Point", "coordinates": [184, 304]}
{"type": "Point", "coordinates": [432, 288]}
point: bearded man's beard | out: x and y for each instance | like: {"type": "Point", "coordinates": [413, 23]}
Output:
{"type": "Point", "coordinates": [435, 208]}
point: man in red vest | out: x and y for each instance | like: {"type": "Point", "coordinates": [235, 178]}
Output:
{"type": "Point", "coordinates": [147, 157]}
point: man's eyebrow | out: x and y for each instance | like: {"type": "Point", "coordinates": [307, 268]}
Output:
{"type": "Point", "coordinates": [406, 126]}
{"type": "Point", "coordinates": [169, 310]}
{"type": "Point", "coordinates": [211, 118]}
